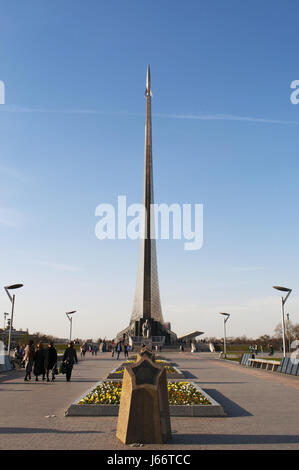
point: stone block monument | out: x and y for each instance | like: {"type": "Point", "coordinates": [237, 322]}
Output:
{"type": "Point", "coordinates": [146, 352]}
{"type": "Point", "coordinates": [144, 408]}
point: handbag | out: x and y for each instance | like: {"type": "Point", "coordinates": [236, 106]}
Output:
{"type": "Point", "coordinates": [62, 368]}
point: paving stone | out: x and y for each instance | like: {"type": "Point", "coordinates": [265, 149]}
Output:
{"type": "Point", "coordinates": [262, 409]}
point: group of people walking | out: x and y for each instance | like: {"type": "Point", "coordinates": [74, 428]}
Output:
{"type": "Point", "coordinates": [254, 350]}
{"type": "Point", "coordinates": [43, 361]}
{"type": "Point", "coordinates": [117, 348]}
{"type": "Point", "coordinates": [93, 349]}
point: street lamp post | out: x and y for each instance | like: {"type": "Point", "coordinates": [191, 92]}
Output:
{"type": "Point", "coordinates": [71, 321]}
{"type": "Point", "coordinates": [289, 335]}
{"type": "Point", "coordinates": [226, 317]}
{"type": "Point", "coordinates": [12, 299]}
{"type": "Point", "coordinates": [283, 301]}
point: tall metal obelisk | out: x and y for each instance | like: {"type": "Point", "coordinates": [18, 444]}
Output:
{"type": "Point", "coordinates": [147, 304]}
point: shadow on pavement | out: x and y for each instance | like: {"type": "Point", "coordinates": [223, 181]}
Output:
{"type": "Point", "coordinates": [11, 375]}
{"type": "Point", "coordinates": [189, 375]}
{"type": "Point", "coordinates": [91, 381]}
{"type": "Point", "coordinates": [229, 439]}
{"type": "Point", "coordinates": [44, 431]}
{"type": "Point", "coordinates": [10, 390]}
{"type": "Point", "coordinates": [45, 383]}
{"type": "Point", "coordinates": [222, 383]}
{"type": "Point", "coordinates": [230, 407]}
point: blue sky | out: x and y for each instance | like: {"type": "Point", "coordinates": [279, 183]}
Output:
{"type": "Point", "coordinates": [225, 135]}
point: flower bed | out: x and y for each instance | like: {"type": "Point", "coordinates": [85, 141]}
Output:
{"type": "Point", "coordinates": [185, 399]}
{"type": "Point", "coordinates": [184, 393]}
{"type": "Point", "coordinates": [179, 393]}
{"type": "Point", "coordinates": [168, 367]}
{"type": "Point", "coordinates": [106, 393]}
{"type": "Point", "coordinates": [171, 371]}
{"type": "Point", "coordinates": [134, 357]}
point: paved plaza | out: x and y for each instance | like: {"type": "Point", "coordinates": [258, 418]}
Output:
{"type": "Point", "coordinates": [262, 409]}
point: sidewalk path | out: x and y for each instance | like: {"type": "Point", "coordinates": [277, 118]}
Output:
{"type": "Point", "coordinates": [262, 408]}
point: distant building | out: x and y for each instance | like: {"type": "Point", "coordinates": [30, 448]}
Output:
{"type": "Point", "coordinates": [62, 341]}
{"type": "Point", "coordinates": [15, 334]}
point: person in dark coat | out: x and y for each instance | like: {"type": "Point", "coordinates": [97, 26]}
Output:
{"type": "Point", "coordinates": [69, 359]}
{"type": "Point", "coordinates": [50, 361]}
{"type": "Point", "coordinates": [39, 362]}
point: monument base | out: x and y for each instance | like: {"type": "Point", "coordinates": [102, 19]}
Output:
{"type": "Point", "coordinates": [152, 342]}
{"type": "Point", "coordinates": [159, 333]}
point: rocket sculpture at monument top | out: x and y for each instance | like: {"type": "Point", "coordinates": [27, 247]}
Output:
{"type": "Point", "coordinates": [147, 304]}
{"type": "Point", "coordinates": [148, 91]}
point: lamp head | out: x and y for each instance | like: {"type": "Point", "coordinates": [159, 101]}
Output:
{"type": "Point", "coordinates": [13, 286]}
{"type": "Point", "coordinates": [283, 289]}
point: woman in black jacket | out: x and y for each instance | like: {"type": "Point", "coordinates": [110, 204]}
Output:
{"type": "Point", "coordinates": [39, 362]}
{"type": "Point", "coordinates": [50, 361]}
{"type": "Point", "coordinates": [69, 359]}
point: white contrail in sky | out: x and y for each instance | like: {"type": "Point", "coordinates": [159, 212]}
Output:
{"type": "Point", "coordinates": [199, 116]}
{"type": "Point", "coordinates": [225, 117]}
